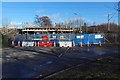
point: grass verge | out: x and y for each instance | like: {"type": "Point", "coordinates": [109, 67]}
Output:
{"type": "Point", "coordinates": [104, 68]}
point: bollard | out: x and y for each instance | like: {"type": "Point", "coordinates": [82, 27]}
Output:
{"type": "Point", "coordinates": [54, 44]}
{"type": "Point", "coordinates": [80, 44]}
{"type": "Point", "coordinates": [88, 45]}
{"type": "Point", "coordinates": [12, 44]}
{"type": "Point", "coordinates": [18, 43]}
{"type": "Point", "coordinates": [99, 44]}
{"type": "Point", "coordinates": [73, 44]}
{"type": "Point", "coordinates": [34, 44]}
{"type": "Point", "coordinates": [38, 43]}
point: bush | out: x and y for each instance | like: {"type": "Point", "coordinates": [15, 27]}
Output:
{"type": "Point", "coordinates": [0, 40]}
{"type": "Point", "coordinates": [4, 40]}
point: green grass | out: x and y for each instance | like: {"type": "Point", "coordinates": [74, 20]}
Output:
{"type": "Point", "coordinates": [102, 68]}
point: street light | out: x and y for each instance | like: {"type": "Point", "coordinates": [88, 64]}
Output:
{"type": "Point", "coordinates": [79, 20]}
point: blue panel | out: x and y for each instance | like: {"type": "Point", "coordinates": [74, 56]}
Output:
{"type": "Point", "coordinates": [87, 37]}
{"type": "Point", "coordinates": [91, 38]}
{"type": "Point", "coordinates": [37, 36]}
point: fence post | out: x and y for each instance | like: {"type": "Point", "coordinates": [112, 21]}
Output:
{"type": "Point", "coordinates": [88, 45]}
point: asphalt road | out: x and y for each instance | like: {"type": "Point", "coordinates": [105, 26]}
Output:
{"type": "Point", "coordinates": [0, 62]}
{"type": "Point", "coordinates": [35, 62]}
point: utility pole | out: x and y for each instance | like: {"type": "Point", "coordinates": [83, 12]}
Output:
{"type": "Point", "coordinates": [110, 16]}
{"type": "Point", "coordinates": [108, 26]}
{"type": "Point", "coordinates": [75, 20]}
{"type": "Point", "coordinates": [81, 25]}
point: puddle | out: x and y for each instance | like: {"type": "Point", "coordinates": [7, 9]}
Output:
{"type": "Point", "coordinates": [100, 53]}
{"type": "Point", "coordinates": [83, 57]}
{"type": "Point", "coordinates": [49, 62]}
{"type": "Point", "coordinates": [88, 50]}
{"type": "Point", "coordinates": [8, 56]}
{"type": "Point", "coordinates": [28, 75]}
{"type": "Point", "coordinates": [46, 63]}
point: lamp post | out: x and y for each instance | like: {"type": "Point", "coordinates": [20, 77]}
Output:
{"type": "Point", "coordinates": [79, 21]}
{"type": "Point", "coordinates": [108, 22]}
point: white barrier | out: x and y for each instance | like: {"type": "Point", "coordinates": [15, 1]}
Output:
{"type": "Point", "coordinates": [65, 43]}
{"type": "Point", "coordinates": [80, 37]}
{"type": "Point", "coordinates": [27, 44]}
{"type": "Point", "coordinates": [97, 36]}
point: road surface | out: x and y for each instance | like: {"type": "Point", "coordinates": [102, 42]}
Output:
{"type": "Point", "coordinates": [35, 62]}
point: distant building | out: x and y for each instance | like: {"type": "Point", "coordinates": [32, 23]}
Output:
{"type": "Point", "coordinates": [48, 30]}
{"type": "Point", "coordinates": [102, 28]}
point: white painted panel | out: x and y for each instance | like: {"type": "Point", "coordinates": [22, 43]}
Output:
{"type": "Point", "coordinates": [54, 37]}
{"type": "Point", "coordinates": [98, 36]}
{"type": "Point", "coordinates": [81, 37]}
{"type": "Point", "coordinates": [26, 44]}
{"type": "Point", "coordinates": [65, 43]}
{"type": "Point", "coordinates": [37, 39]}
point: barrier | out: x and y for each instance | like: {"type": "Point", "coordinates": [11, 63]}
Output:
{"type": "Point", "coordinates": [38, 44]}
{"type": "Point", "coordinates": [27, 44]}
{"type": "Point", "coordinates": [77, 39]}
{"type": "Point", "coordinates": [44, 37]}
{"type": "Point", "coordinates": [84, 38]}
{"type": "Point", "coordinates": [53, 37]}
{"type": "Point", "coordinates": [54, 44]}
{"type": "Point", "coordinates": [65, 43]}
{"type": "Point", "coordinates": [45, 43]}
{"type": "Point", "coordinates": [61, 37]}
{"type": "Point", "coordinates": [35, 44]}
{"type": "Point", "coordinates": [73, 44]}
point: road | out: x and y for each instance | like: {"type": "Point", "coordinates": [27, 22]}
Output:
{"type": "Point", "coordinates": [35, 62]}
{"type": "Point", "coordinates": [0, 62]}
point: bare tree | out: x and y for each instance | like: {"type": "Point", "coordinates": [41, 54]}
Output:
{"type": "Point", "coordinates": [43, 21]}
{"type": "Point", "coordinates": [5, 23]}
